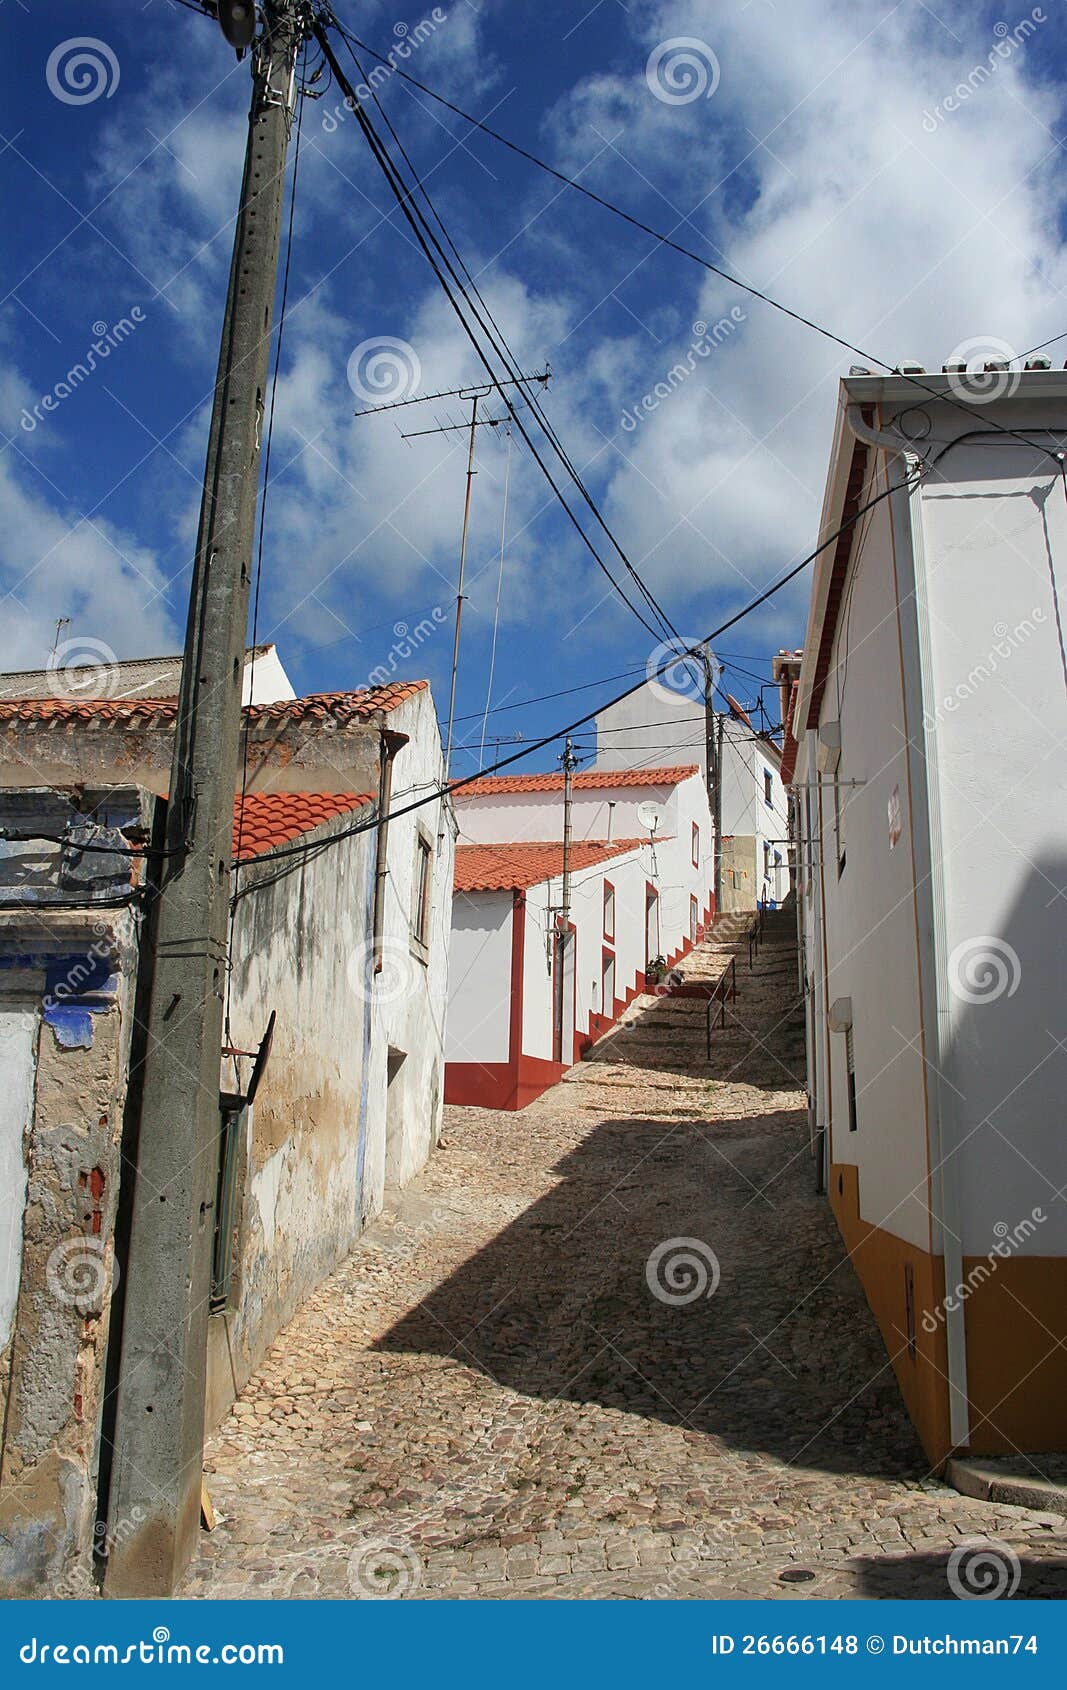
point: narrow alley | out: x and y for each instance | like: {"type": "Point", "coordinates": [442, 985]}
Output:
{"type": "Point", "coordinates": [606, 1347]}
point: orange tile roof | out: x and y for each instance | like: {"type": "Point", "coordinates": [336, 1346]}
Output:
{"type": "Point", "coordinates": [340, 708]}
{"type": "Point", "coordinates": [262, 820]}
{"type": "Point", "coordinates": [592, 779]}
{"type": "Point", "coordinates": [511, 867]}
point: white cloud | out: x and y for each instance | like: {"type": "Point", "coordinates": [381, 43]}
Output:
{"type": "Point", "coordinates": [844, 206]}
{"type": "Point", "coordinates": [56, 561]}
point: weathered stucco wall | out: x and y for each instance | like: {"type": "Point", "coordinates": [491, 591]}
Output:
{"type": "Point", "coordinates": [351, 1100]}
{"type": "Point", "coordinates": [66, 1008]}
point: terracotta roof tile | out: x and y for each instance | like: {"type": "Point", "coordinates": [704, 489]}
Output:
{"type": "Point", "coordinates": [511, 867]}
{"type": "Point", "coordinates": [340, 708]}
{"type": "Point", "coordinates": [592, 779]}
{"type": "Point", "coordinates": [262, 820]}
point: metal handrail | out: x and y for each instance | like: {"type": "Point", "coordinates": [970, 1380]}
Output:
{"type": "Point", "coordinates": [724, 989]}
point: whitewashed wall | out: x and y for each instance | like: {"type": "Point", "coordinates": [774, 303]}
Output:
{"type": "Point", "coordinates": [869, 909]}
{"type": "Point", "coordinates": [479, 977]}
{"type": "Point", "coordinates": [994, 527]}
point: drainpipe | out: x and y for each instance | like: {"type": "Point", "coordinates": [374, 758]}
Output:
{"type": "Point", "coordinates": [931, 909]}
{"type": "Point", "coordinates": [390, 743]}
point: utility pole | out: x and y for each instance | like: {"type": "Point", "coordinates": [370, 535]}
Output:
{"type": "Point", "coordinates": [560, 1035]}
{"type": "Point", "coordinates": [713, 735]}
{"type": "Point", "coordinates": [570, 763]}
{"type": "Point", "coordinates": [155, 1455]}
{"type": "Point", "coordinates": [474, 396]}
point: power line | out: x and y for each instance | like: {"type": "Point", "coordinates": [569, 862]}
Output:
{"type": "Point", "coordinates": [675, 246]}
{"type": "Point", "coordinates": [444, 790]}
{"type": "Point", "coordinates": [419, 225]}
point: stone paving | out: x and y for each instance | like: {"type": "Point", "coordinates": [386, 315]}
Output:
{"type": "Point", "coordinates": [489, 1399]}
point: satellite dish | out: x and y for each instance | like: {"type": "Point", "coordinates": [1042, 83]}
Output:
{"type": "Point", "coordinates": [237, 20]}
{"type": "Point", "coordinates": [648, 815]}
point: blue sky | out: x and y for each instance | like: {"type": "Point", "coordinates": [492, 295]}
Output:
{"type": "Point", "coordinates": [820, 151]}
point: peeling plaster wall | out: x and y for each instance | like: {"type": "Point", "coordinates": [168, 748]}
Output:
{"type": "Point", "coordinates": [70, 1107]}
{"type": "Point", "coordinates": [328, 1131]}
{"type": "Point", "coordinates": [291, 757]}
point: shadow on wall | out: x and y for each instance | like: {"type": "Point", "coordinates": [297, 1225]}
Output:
{"type": "Point", "coordinates": [774, 1350]}
{"type": "Point", "coordinates": [1006, 1078]}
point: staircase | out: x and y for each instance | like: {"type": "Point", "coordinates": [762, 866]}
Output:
{"type": "Point", "coordinates": [756, 1036]}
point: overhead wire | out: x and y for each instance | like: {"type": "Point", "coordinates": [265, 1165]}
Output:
{"type": "Point", "coordinates": [405, 197]}
{"type": "Point", "coordinates": [673, 245]}
{"type": "Point", "coordinates": [445, 788]}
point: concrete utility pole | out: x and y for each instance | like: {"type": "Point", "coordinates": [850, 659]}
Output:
{"type": "Point", "coordinates": [570, 763]}
{"type": "Point", "coordinates": [157, 1442]}
{"type": "Point", "coordinates": [713, 733]}
{"type": "Point", "coordinates": [474, 396]}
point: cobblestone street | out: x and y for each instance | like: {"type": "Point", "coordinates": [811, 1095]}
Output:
{"type": "Point", "coordinates": [489, 1399]}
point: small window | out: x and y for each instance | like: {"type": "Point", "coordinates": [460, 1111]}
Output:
{"type": "Point", "coordinates": [850, 1066]}
{"type": "Point", "coordinates": [422, 892]}
{"type": "Point", "coordinates": [768, 787]}
{"type": "Point", "coordinates": [607, 986]}
{"type": "Point", "coordinates": [696, 845]}
{"type": "Point", "coordinates": [609, 912]}
{"type": "Point", "coordinates": [694, 919]}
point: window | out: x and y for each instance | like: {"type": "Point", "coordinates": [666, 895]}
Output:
{"type": "Point", "coordinates": [422, 892]}
{"type": "Point", "coordinates": [696, 845]}
{"type": "Point", "coordinates": [768, 787]}
{"type": "Point", "coordinates": [694, 919]}
{"type": "Point", "coordinates": [607, 985]}
{"type": "Point", "coordinates": [609, 912]}
{"type": "Point", "coordinates": [850, 1066]}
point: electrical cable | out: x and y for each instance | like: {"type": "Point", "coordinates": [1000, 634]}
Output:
{"type": "Point", "coordinates": [506, 354]}
{"type": "Point", "coordinates": [423, 234]}
{"type": "Point", "coordinates": [446, 788]}
{"type": "Point", "coordinates": [657, 235]}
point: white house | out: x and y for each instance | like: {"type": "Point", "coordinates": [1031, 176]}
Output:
{"type": "Point", "coordinates": [522, 1005]}
{"type": "Point", "coordinates": [926, 758]}
{"type": "Point", "coordinates": [755, 812]}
